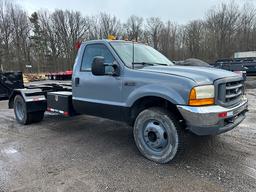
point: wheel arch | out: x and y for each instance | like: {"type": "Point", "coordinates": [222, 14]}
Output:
{"type": "Point", "coordinates": [146, 102]}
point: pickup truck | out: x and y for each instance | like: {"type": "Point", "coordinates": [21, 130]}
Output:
{"type": "Point", "coordinates": [134, 83]}
{"type": "Point", "coordinates": [245, 65]}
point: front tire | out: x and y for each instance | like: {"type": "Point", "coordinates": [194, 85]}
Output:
{"type": "Point", "coordinates": [158, 135]}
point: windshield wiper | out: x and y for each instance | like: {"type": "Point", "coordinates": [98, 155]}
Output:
{"type": "Point", "coordinates": [161, 64]}
{"type": "Point", "coordinates": [146, 63]}
{"type": "Point", "coordinates": [141, 63]}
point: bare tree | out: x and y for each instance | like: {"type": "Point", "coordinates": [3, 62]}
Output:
{"type": "Point", "coordinates": [94, 28]}
{"type": "Point", "coordinates": [193, 38]}
{"type": "Point", "coordinates": [154, 27]}
{"type": "Point", "coordinates": [109, 25]}
{"type": "Point", "coordinates": [134, 27]}
{"type": "Point", "coordinates": [5, 34]}
{"type": "Point", "coordinates": [51, 41]}
{"type": "Point", "coordinates": [221, 25]}
{"type": "Point", "coordinates": [245, 36]}
{"type": "Point", "coordinates": [69, 27]}
{"type": "Point", "coordinates": [46, 39]}
{"type": "Point", "coordinates": [21, 29]}
{"type": "Point", "coordinates": [169, 39]}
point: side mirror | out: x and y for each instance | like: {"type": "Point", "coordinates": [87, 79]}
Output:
{"type": "Point", "coordinates": [98, 67]}
{"type": "Point", "coordinates": [115, 69]}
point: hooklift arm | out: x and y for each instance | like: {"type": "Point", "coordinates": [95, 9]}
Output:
{"type": "Point", "coordinates": [8, 82]}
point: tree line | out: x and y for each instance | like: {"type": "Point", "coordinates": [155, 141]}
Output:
{"type": "Point", "coordinates": [45, 41]}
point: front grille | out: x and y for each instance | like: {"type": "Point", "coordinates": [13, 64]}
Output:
{"type": "Point", "coordinates": [234, 90]}
{"type": "Point", "coordinates": [230, 92]}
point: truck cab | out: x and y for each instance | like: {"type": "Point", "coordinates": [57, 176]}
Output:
{"type": "Point", "coordinates": [134, 83]}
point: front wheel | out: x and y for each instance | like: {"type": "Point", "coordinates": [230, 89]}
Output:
{"type": "Point", "coordinates": [158, 135]}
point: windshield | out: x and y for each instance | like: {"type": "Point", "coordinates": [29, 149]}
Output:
{"type": "Point", "coordinates": [143, 54]}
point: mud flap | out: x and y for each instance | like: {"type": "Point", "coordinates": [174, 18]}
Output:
{"type": "Point", "coordinates": [35, 99]}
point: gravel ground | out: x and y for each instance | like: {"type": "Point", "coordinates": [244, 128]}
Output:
{"type": "Point", "coordinates": [251, 82]}
{"type": "Point", "coordinates": [92, 154]}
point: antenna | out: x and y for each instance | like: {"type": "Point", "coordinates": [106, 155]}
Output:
{"type": "Point", "coordinates": [133, 55]}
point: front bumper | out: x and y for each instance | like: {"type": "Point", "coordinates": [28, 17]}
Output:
{"type": "Point", "coordinates": [208, 121]}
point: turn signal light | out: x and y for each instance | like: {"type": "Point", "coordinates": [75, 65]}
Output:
{"type": "Point", "coordinates": [195, 100]}
{"type": "Point", "coordinates": [200, 102]}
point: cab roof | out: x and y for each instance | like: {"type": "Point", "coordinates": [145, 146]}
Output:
{"type": "Point", "coordinates": [107, 41]}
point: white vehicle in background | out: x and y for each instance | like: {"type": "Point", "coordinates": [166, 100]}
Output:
{"type": "Point", "coordinates": [246, 54]}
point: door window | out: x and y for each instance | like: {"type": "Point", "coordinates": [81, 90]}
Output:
{"type": "Point", "coordinates": [92, 51]}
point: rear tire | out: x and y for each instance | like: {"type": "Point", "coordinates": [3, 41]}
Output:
{"type": "Point", "coordinates": [22, 115]}
{"type": "Point", "coordinates": [158, 135]}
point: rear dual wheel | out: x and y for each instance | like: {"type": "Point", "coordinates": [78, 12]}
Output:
{"type": "Point", "coordinates": [158, 135]}
{"type": "Point", "coordinates": [22, 115]}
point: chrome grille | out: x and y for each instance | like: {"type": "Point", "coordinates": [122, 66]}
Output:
{"type": "Point", "coordinates": [230, 92]}
{"type": "Point", "coordinates": [234, 90]}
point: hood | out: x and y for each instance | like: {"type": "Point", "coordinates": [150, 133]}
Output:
{"type": "Point", "coordinates": [201, 75]}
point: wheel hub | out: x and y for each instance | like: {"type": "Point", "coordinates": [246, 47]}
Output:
{"type": "Point", "coordinates": [155, 135]}
{"type": "Point", "coordinates": [19, 110]}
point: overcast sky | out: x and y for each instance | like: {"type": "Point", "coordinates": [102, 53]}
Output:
{"type": "Point", "coordinates": [180, 11]}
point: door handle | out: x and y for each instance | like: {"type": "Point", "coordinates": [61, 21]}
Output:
{"type": "Point", "coordinates": [77, 81]}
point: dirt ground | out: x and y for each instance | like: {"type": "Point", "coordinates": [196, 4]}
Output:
{"type": "Point", "coordinates": [92, 154]}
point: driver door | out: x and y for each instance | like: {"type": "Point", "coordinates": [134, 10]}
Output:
{"type": "Point", "coordinates": [97, 95]}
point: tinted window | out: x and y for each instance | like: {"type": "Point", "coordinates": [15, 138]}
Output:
{"type": "Point", "coordinates": [92, 51]}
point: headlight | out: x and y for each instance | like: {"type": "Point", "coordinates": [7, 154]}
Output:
{"type": "Point", "coordinates": [201, 95]}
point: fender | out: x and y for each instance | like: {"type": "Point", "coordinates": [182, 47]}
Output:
{"type": "Point", "coordinates": [157, 91]}
{"type": "Point", "coordinates": [35, 99]}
